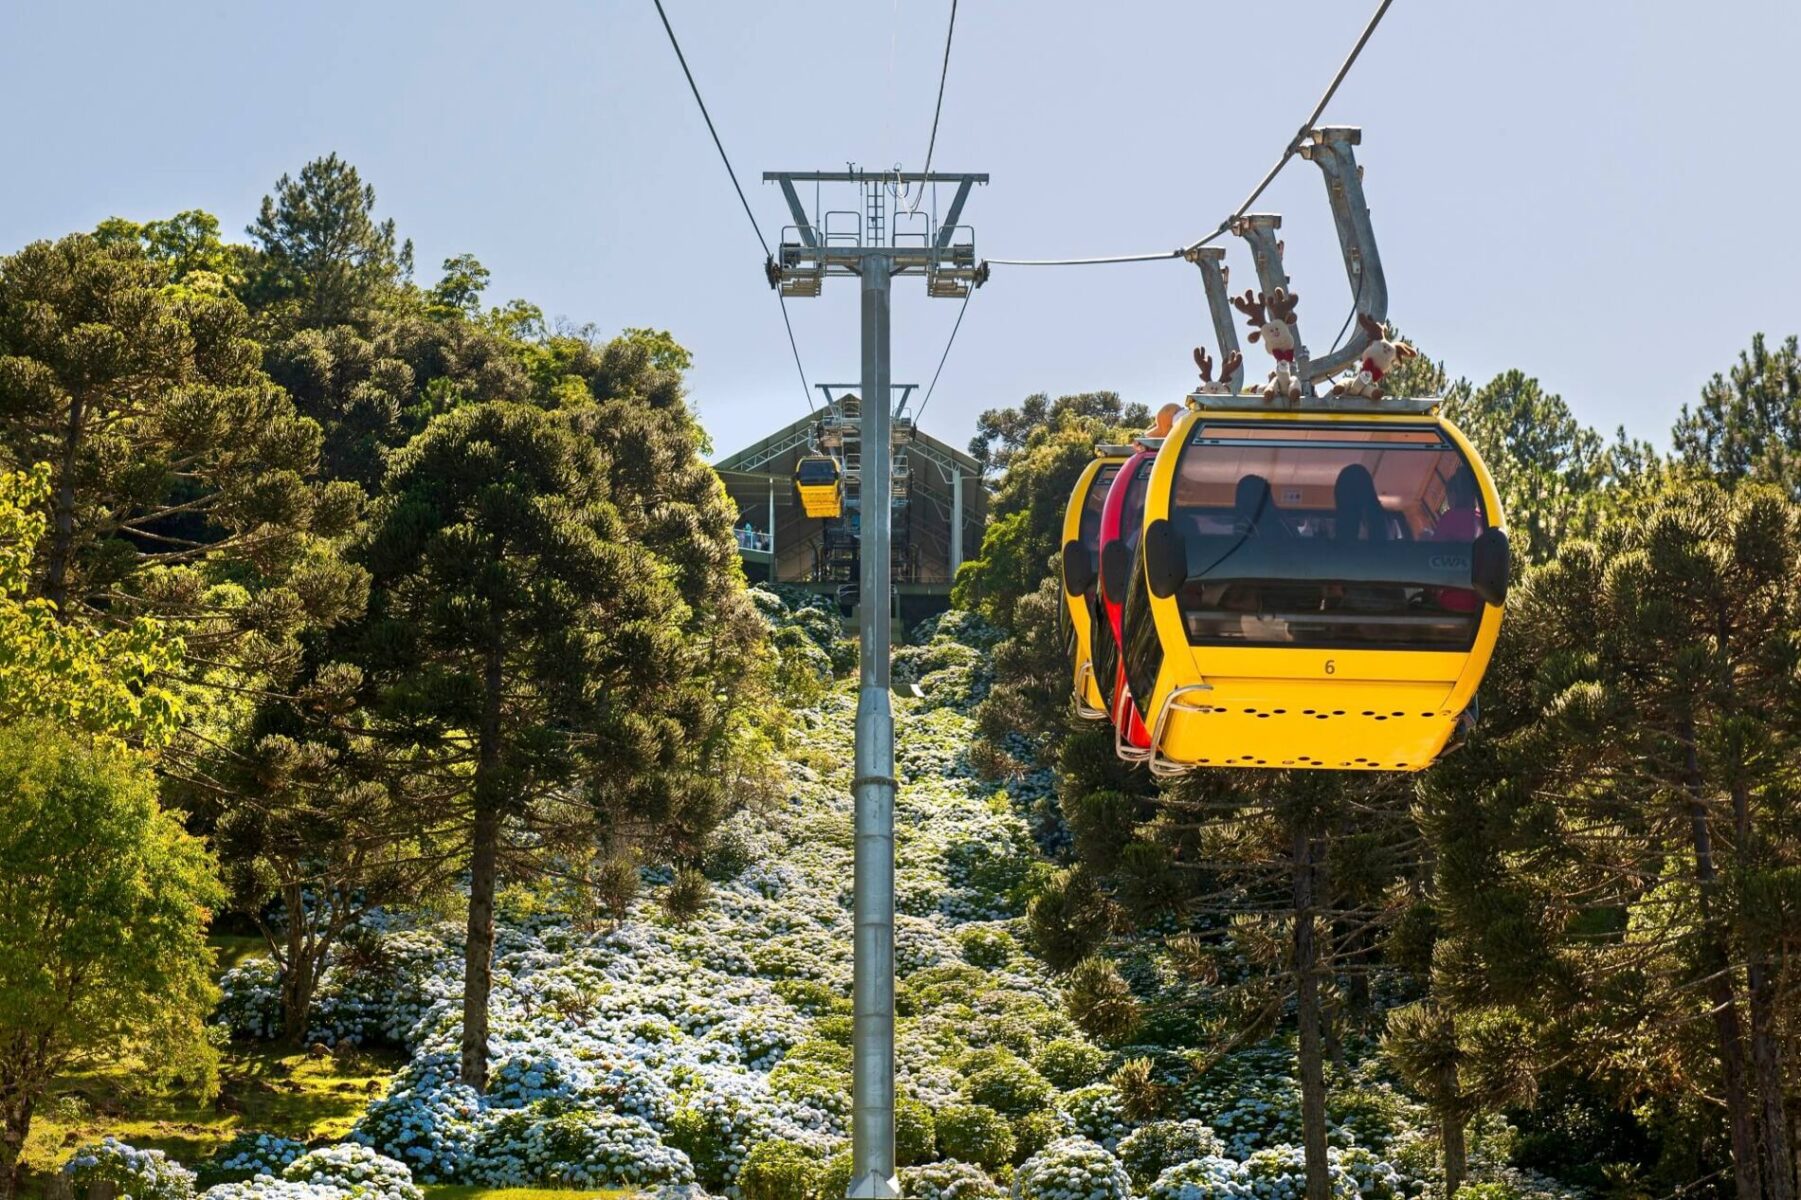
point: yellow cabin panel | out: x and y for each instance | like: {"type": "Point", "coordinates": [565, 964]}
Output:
{"type": "Point", "coordinates": [1086, 690]}
{"type": "Point", "coordinates": [1300, 706]}
{"type": "Point", "coordinates": [823, 502]}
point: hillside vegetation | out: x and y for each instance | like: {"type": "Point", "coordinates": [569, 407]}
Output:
{"type": "Point", "coordinates": [402, 793]}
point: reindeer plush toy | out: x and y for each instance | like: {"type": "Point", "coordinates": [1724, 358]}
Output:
{"type": "Point", "coordinates": [1378, 361]}
{"type": "Point", "coordinates": [1270, 318]}
{"type": "Point", "coordinates": [1227, 369]}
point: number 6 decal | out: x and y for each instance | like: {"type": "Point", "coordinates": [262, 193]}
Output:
{"type": "Point", "coordinates": [1331, 667]}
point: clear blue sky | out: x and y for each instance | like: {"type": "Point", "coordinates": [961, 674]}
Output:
{"type": "Point", "coordinates": [1601, 193]}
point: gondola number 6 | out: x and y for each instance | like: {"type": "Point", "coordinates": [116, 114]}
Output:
{"type": "Point", "coordinates": [1331, 667]}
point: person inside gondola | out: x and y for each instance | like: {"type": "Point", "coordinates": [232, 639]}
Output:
{"type": "Point", "coordinates": [1461, 521]}
{"type": "Point", "coordinates": [1360, 517]}
{"type": "Point", "coordinates": [1252, 508]}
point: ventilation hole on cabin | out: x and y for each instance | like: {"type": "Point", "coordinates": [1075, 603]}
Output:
{"type": "Point", "coordinates": [1369, 712]}
{"type": "Point", "coordinates": [1363, 760]}
{"type": "Point", "coordinates": [1263, 716]}
{"type": "Point", "coordinates": [1281, 711]}
{"type": "Point", "coordinates": [1426, 715]}
{"type": "Point", "coordinates": [1398, 714]}
{"type": "Point", "coordinates": [1381, 718]}
{"type": "Point", "coordinates": [1250, 710]}
{"type": "Point", "coordinates": [1306, 712]}
{"type": "Point", "coordinates": [1338, 712]}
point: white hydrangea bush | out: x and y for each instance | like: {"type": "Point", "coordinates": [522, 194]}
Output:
{"type": "Point", "coordinates": [355, 1170]}
{"type": "Point", "coordinates": [253, 1153]}
{"type": "Point", "coordinates": [1071, 1168]}
{"type": "Point", "coordinates": [653, 1056]}
{"type": "Point", "coordinates": [948, 1180]}
{"type": "Point", "coordinates": [1151, 1149]}
{"type": "Point", "coordinates": [139, 1174]}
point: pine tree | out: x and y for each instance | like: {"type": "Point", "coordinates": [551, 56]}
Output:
{"type": "Point", "coordinates": [169, 451]}
{"type": "Point", "coordinates": [1629, 860]}
{"type": "Point", "coordinates": [516, 638]}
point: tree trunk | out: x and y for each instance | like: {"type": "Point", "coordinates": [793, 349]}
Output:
{"type": "Point", "coordinates": [1721, 994]}
{"type": "Point", "coordinates": [1307, 1013]}
{"type": "Point", "coordinates": [16, 1102]}
{"type": "Point", "coordinates": [1766, 1049]}
{"type": "Point", "coordinates": [298, 974]}
{"type": "Point", "coordinates": [484, 864]}
{"type": "Point", "coordinates": [478, 950]}
{"type": "Point", "coordinates": [1450, 1134]}
{"type": "Point", "coordinates": [62, 510]}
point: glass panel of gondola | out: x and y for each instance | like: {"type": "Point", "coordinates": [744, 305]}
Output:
{"type": "Point", "coordinates": [1143, 649]}
{"type": "Point", "coordinates": [1092, 505]}
{"type": "Point", "coordinates": [816, 472]}
{"type": "Point", "coordinates": [1106, 651]}
{"type": "Point", "coordinates": [1328, 536]}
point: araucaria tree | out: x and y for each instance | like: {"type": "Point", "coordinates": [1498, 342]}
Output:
{"type": "Point", "coordinates": [168, 448]}
{"type": "Point", "coordinates": [1633, 870]}
{"type": "Point", "coordinates": [515, 637]}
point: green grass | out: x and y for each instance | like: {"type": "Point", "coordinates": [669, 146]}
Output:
{"type": "Point", "coordinates": [261, 1088]}
{"type": "Point", "coordinates": [233, 948]}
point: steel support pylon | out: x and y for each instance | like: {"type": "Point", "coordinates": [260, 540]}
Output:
{"type": "Point", "coordinates": [807, 255]}
{"type": "Point", "coordinates": [872, 1035]}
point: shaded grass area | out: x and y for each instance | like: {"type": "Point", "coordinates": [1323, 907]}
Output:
{"type": "Point", "coordinates": [233, 949]}
{"type": "Point", "coordinates": [261, 1087]}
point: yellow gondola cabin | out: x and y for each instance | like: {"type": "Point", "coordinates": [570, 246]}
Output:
{"type": "Point", "coordinates": [1081, 568]}
{"type": "Point", "coordinates": [820, 485]}
{"type": "Point", "coordinates": [1315, 589]}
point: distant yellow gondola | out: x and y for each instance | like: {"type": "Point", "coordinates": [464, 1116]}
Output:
{"type": "Point", "coordinates": [1314, 589]}
{"type": "Point", "coordinates": [820, 485]}
{"type": "Point", "coordinates": [1081, 568]}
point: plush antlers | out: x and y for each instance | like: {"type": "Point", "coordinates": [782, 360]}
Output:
{"type": "Point", "coordinates": [1251, 305]}
{"type": "Point", "coordinates": [1227, 369]}
{"type": "Point", "coordinates": [1262, 310]}
{"type": "Point", "coordinates": [1271, 317]}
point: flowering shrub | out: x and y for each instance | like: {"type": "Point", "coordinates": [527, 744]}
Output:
{"type": "Point", "coordinates": [974, 1133]}
{"type": "Point", "coordinates": [1208, 1178]}
{"type": "Point", "coordinates": [1069, 1062]}
{"type": "Point", "coordinates": [139, 1174]}
{"type": "Point", "coordinates": [1010, 1087]}
{"type": "Point", "coordinates": [356, 1170]}
{"type": "Point", "coordinates": [1096, 1113]}
{"type": "Point", "coordinates": [915, 1132]}
{"type": "Point", "coordinates": [948, 1180]}
{"type": "Point", "coordinates": [267, 1187]}
{"type": "Point", "coordinates": [1152, 1149]}
{"type": "Point", "coordinates": [778, 1170]}
{"type": "Point", "coordinates": [662, 1056]}
{"type": "Point", "coordinates": [251, 1153]}
{"type": "Point", "coordinates": [1072, 1169]}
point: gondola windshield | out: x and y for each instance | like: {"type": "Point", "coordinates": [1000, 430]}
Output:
{"type": "Point", "coordinates": [816, 472]}
{"type": "Point", "coordinates": [1093, 504]}
{"type": "Point", "coordinates": [1327, 536]}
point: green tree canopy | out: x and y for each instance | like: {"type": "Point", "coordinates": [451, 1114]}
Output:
{"type": "Point", "coordinates": [169, 449]}
{"type": "Point", "coordinates": [1748, 423]}
{"type": "Point", "coordinates": [322, 249]}
{"type": "Point", "coordinates": [103, 910]}
{"type": "Point", "coordinates": [110, 682]}
{"type": "Point", "coordinates": [518, 637]}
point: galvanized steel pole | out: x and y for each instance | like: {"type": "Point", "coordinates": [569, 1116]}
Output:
{"type": "Point", "coordinates": [872, 1037]}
